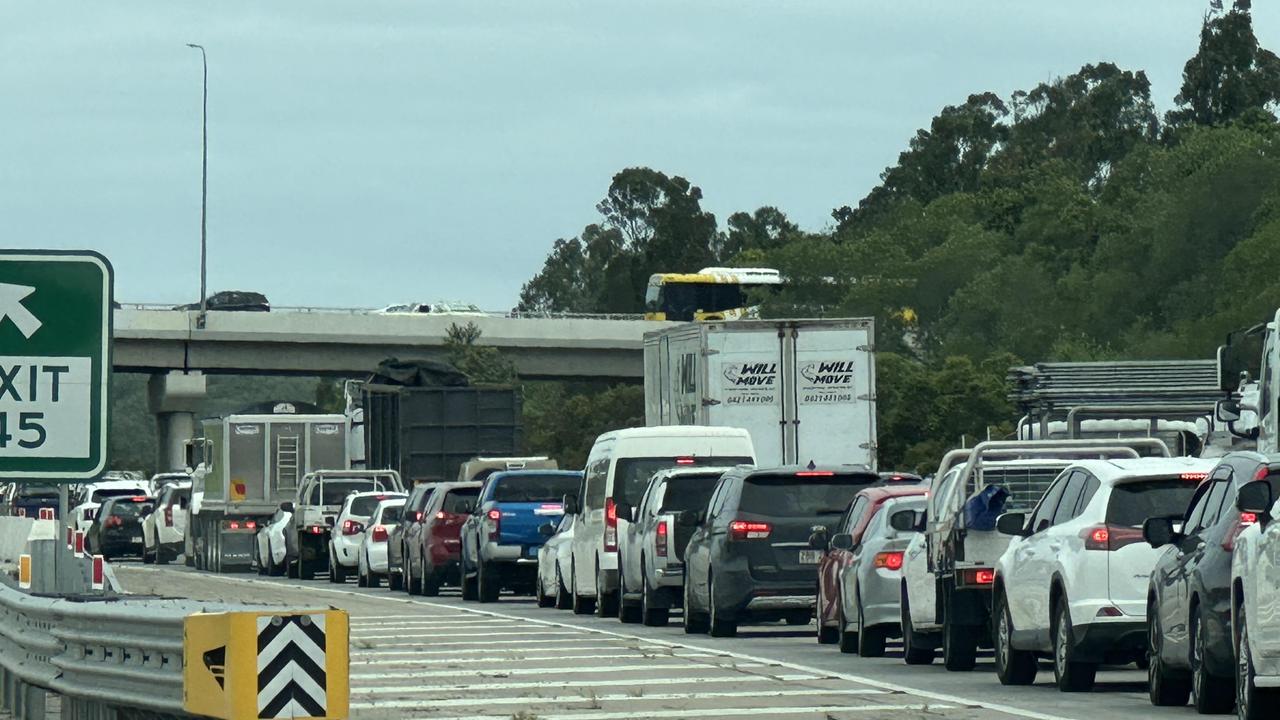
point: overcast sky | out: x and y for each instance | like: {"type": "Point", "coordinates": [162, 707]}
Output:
{"type": "Point", "coordinates": [364, 153]}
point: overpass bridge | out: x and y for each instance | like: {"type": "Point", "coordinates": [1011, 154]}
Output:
{"type": "Point", "coordinates": [178, 350]}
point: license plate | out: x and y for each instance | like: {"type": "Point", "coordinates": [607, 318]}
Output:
{"type": "Point", "coordinates": [810, 557]}
{"type": "Point", "coordinates": [136, 541]}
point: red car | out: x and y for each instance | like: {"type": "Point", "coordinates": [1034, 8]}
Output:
{"type": "Point", "coordinates": [433, 561]}
{"type": "Point", "coordinates": [843, 546]}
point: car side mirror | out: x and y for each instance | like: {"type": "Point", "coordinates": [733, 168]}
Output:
{"type": "Point", "coordinates": [842, 541]}
{"type": "Point", "coordinates": [1159, 531]}
{"type": "Point", "coordinates": [547, 530]}
{"type": "Point", "coordinates": [1255, 497]}
{"type": "Point", "coordinates": [819, 539]}
{"type": "Point", "coordinates": [1012, 524]}
{"type": "Point", "coordinates": [286, 506]}
{"type": "Point", "coordinates": [625, 512]}
{"type": "Point", "coordinates": [570, 503]}
{"type": "Point", "coordinates": [907, 521]}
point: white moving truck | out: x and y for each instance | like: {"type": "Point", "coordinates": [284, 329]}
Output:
{"type": "Point", "coordinates": [804, 389]}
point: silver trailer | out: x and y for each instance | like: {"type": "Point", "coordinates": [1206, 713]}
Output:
{"type": "Point", "coordinates": [244, 467]}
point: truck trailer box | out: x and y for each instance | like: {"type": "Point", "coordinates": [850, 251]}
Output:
{"type": "Point", "coordinates": [804, 389]}
{"type": "Point", "coordinates": [427, 433]}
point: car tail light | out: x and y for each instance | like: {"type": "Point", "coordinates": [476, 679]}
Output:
{"type": "Point", "coordinates": [815, 473]}
{"type": "Point", "coordinates": [610, 525]}
{"type": "Point", "coordinates": [495, 524]}
{"type": "Point", "coordinates": [114, 521]}
{"type": "Point", "coordinates": [317, 529]}
{"type": "Point", "coordinates": [250, 525]}
{"type": "Point", "coordinates": [889, 560]}
{"type": "Point", "coordinates": [417, 517]}
{"type": "Point", "coordinates": [351, 527]}
{"type": "Point", "coordinates": [442, 515]}
{"type": "Point", "coordinates": [977, 576]}
{"type": "Point", "coordinates": [1110, 538]}
{"type": "Point", "coordinates": [1242, 521]}
{"type": "Point", "coordinates": [379, 534]}
{"type": "Point", "coordinates": [745, 530]}
{"type": "Point", "coordinates": [234, 525]}
{"type": "Point", "coordinates": [660, 539]}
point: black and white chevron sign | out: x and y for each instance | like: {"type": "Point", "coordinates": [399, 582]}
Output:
{"type": "Point", "coordinates": [291, 666]}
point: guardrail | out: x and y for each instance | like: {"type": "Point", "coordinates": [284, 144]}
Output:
{"type": "Point", "coordinates": [459, 314]}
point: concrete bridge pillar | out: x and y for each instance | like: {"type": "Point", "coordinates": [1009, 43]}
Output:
{"type": "Point", "coordinates": [174, 398]}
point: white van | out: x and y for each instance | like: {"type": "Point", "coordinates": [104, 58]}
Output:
{"type": "Point", "coordinates": [617, 473]}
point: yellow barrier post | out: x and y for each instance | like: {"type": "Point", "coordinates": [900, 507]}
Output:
{"type": "Point", "coordinates": [291, 664]}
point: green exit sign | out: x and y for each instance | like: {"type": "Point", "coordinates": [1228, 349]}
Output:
{"type": "Point", "coordinates": [55, 364]}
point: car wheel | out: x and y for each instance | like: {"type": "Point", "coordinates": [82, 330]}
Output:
{"type": "Point", "coordinates": [564, 600]}
{"type": "Point", "coordinates": [871, 639]}
{"type": "Point", "coordinates": [629, 614]}
{"type": "Point", "coordinates": [605, 602]}
{"type": "Point", "coordinates": [371, 578]}
{"type": "Point", "coordinates": [1252, 702]}
{"type": "Point", "coordinates": [582, 605]}
{"type": "Point", "coordinates": [395, 581]}
{"type": "Point", "coordinates": [411, 581]}
{"type": "Point", "coordinates": [915, 651]}
{"type": "Point", "coordinates": [488, 582]}
{"type": "Point", "coordinates": [1071, 676]}
{"type": "Point", "coordinates": [718, 625]}
{"type": "Point", "coordinates": [1165, 686]}
{"type": "Point", "coordinates": [1211, 695]}
{"type": "Point", "coordinates": [337, 573]}
{"type": "Point", "coordinates": [1013, 667]}
{"type": "Point", "coordinates": [847, 638]}
{"type": "Point", "coordinates": [694, 622]}
{"type": "Point", "coordinates": [959, 644]}
{"type": "Point", "coordinates": [540, 594]}
{"type": "Point", "coordinates": [650, 615]}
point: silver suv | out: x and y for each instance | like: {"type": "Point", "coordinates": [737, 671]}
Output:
{"type": "Point", "coordinates": [651, 551]}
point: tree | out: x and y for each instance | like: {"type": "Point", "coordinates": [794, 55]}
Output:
{"type": "Point", "coordinates": [1229, 75]}
{"type": "Point", "coordinates": [481, 364]}
{"type": "Point", "coordinates": [765, 229]}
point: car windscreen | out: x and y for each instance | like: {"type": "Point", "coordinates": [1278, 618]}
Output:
{"type": "Point", "coordinates": [534, 488]}
{"type": "Point", "coordinates": [128, 508]}
{"type": "Point", "coordinates": [455, 500]}
{"type": "Point", "coordinates": [801, 494]}
{"type": "Point", "coordinates": [631, 475]}
{"type": "Point", "coordinates": [100, 495]}
{"type": "Point", "coordinates": [688, 493]}
{"type": "Point", "coordinates": [365, 504]}
{"type": "Point", "coordinates": [337, 490]}
{"type": "Point", "coordinates": [1131, 503]}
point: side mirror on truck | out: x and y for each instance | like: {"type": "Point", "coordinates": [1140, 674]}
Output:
{"type": "Point", "coordinates": [625, 512]}
{"type": "Point", "coordinates": [1012, 524]}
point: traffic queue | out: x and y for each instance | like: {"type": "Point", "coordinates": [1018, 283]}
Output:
{"type": "Point", "coordinates": [1086, 554]}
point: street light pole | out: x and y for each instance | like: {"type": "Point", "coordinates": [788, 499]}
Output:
{"type": "Point", "coordinates": [204, 182]}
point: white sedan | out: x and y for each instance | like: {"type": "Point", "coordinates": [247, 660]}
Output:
{"type": "Point", "coordinates": [349, 530]}
{"type": "Point", "coordinates": [371, 564]}
{"type": "Point", "coordinates": [553, 561]}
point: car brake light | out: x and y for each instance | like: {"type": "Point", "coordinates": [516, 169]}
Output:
{"type": "Point", "coordinates": [417, 516]}
{"type": "Point", "coordinates": [978, 576]}
{"type": "Point", "coordinates": [234, 525]}
{"type": "Point", "coordinates": [1242, 521]}
{"type": "Point", "coordinates": [250, 525]}
{"type": "Point", "coordinates": [889, 560]}
{"type": "Point", "coordinates": [1194, 475]}
{"type": "Point", "coordinates": [317, 529]}
{"type": "Point", "coordinates": [611, 525]}
{"type": "Point", "coordinates": [495, 524]}
{"type": "Point", "coordinates": [379, 534]}
{"type": "Point", "coordinates": [744, 530]}
{"type": "Point", "coordinates": [442, 515]}
{"type": "Point", "coordinates": [138, 499]}
{"type": "Point", "coordinates": [1110, 538]}
{"type": "Point", "coordinates": [815, 473]}
{"type": "Point", "coordinates": [660, 539]}
{"type": "Point", "coordinates": [351, 527]}
{"type": "Point", "coordinates": [114, 521]}
{"type": "Point", "coordinates": [685, 461]}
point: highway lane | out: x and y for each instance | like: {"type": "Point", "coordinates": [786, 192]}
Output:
{"type": "Point", "coordinates": [440, 657]}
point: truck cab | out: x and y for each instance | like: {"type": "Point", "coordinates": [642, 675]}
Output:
{"type": "Point", "coordinates": [1251, 407]}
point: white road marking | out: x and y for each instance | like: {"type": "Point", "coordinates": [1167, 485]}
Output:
{"type": "Point", "coordinates": [629, 698]}
{"type": "Point", "coordinates": [377, 660]}
{"type": "Point", "coordinates": [559, 684]}
{"type": "Point", "coordinates": [717, 712]}
{"type": "Point", "coordinates": [488, 651]}
{"type": "Point", "coordinates": [458, 642]}
{"type": "Point", "coordinates": [510, 636]}
{"type": "Point", "coordinates": [538, 671]}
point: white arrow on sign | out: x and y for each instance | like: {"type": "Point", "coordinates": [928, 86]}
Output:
{"type": "Point", "coordinates": [11, 306]}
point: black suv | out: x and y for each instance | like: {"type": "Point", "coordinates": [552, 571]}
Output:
{"type": "Point", "coordinates": [1189, 599]}
{"type": "Point", "coordinates": [749, 558]}
{"type": "Point", "coordinates": [117, 528]}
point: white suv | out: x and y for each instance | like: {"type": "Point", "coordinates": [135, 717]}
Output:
{"type": "Point", "coordinates": [1073, 582]}
{"type": "Point", "coordinates": [1255, 575]}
